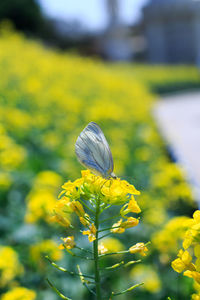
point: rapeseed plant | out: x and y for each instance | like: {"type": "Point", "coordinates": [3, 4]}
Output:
{"type": "Point", "coordinates": [89, 198]}
{"type": "Point", "coordinates": [188, 260]}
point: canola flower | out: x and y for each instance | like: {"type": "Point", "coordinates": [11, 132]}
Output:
{"type": "Point", "coordinates": [10, 267]}
{"type": "Point", "coordinates": [42, 197]}
{"type": "Point", "coordinates": [88, 198]}
{"type": "Point", "coordinates": [167, 240]}
{"type": "Point", "coordinates": [188, 260]}
{"type": "Point", "coordinates": [108, 191]}
{"type": "Point", "coordinates": [19, 293]}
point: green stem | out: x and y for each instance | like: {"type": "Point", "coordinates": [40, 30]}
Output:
{"type": "Point", "coordinates": [57, 291]}
{"type": "Point", "coordinates": [96, 255]}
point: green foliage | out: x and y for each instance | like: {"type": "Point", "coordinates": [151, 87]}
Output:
{"type": "Point", "coordinates": [24, 14]}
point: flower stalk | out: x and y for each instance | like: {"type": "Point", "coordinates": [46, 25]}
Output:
{"type": "Point", "coordinates": [87, 198]}
{"type": "Point", "coordinates": [96, 255]}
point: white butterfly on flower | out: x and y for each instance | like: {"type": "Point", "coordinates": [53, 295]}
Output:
{"type": "Point", "coordinates": [93, 151]}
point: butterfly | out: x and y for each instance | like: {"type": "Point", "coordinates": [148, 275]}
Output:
{"type": "Point", "coordinates": [93, 151]}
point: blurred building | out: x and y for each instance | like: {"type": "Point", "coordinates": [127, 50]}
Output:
{"type": "Point", "coordinates": [172, 31]}
{"type": "Point", "coordinates": [116, 42]}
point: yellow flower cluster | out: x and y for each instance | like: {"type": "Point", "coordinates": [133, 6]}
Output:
{"type": "Point", "coordinates": [168, 238]}
{"type": "Point", "coordinates": [10, 266]}
{"type": "Point", "coordinates": [11, 157]}
{"type": "Point", "coordinates": [113, 191]}
{"type": "Point", "coordinates": [42, 197]}
{"type": "Point", "coordinates": [191, 245]}
{"type": "Point", "coordinates": [19, 293]}
{"type": "Point", "coordinates": [89, 188]}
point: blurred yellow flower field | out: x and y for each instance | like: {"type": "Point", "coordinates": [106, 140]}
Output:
{"type": "Point", "coordinates": [46, 99]}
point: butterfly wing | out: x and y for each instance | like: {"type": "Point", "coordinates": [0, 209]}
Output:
{"type": "Point", "coordinates": [93, 151]}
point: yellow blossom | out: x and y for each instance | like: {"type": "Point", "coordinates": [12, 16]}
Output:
{"type": "Point", "coordinates": [102, 249]}
{"type": "Point", "coordinates": [19, 293]}
{"type": "Point", "coordinates": [130, 222]}
{"type": "Point", "coordinates": [85, 220]}
{"type": "Point", "coordinates": [10, 267]}
{"type": "Point", "coordinates": [120, 226]}
{"type": "Point", "coordinates": [77, 207]}
{"type": "Point", "coordinates": [193, 274]}
{"type": "Point", "coordinates": [183, 262]}
{"type": "Point", "coordinates": [91, 233]}
{"type": "Point", "coordinates": [195, 297]}
{"type": "Point", "coordinates": [139, 248]}
{"type": "Point", "coordinates": [117, 227]}
{"type": "Point", "coordinates": [193, 232]}
{"type": "Point", "coordinates": [197, 250]}
{"type": "Point", "coordinates": [115, 191]}
{"type": "Point", "coordinates": [68, 243]}
{"type": "Point", "coordinates": [132, 206]}
{"type": "Point", "coordinates": [168, 238]}
{"type": "Point", "coordinates": [62, 211]}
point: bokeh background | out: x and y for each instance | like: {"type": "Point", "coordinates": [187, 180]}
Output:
{"type": "Point", "coordinates": [63, 64]}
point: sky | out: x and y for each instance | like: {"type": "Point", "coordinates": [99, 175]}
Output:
{"type": "Point", "coordinates": [91, 13]}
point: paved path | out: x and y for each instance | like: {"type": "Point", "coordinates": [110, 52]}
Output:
{"type": "Point", "coordinates": [178, 117]}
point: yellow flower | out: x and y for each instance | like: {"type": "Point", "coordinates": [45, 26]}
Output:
{"type": "Point", "coordinates": [195, 297]}
{"type": "Point", "coordinates": [42, 197]}
{"type": "Point", "coordinates": [120, 226]}
{"type": "Point", "coordinates": [10, 266]}
{"type": "Point", "coordinates": [85, 220]}
{"type": "Point", "coordinates": [117, 191]}
{"type": "Point", "coordinates": [77, 207]}
{"type": "Point", "coordinates": [197, 250]}
{"type": "Point", "coordinates": [68, 243]}
{"type": "Point", "coordinates": [183, 262]}
{"type": "Point", "coordinates": [91, 233]}
{"type": "Point", "coordinates": [193, 274]}
{"type": "Point", "coordinates": [139, 248]}
{"type": "Point", "coordinates": [62, 211]}
{"type": "Point", "coordinates": [40, 204]}
{"type": "Point", "coordinates": [72, 188]}
{"type": "Point", "coordinates": [19, 293]}
{"type": "Point", "coordinates": [196, 216]}
{"type": "Point", "coordinates": [90, 186]}
{"type": "Point", "coordinates": [117, 227]}
{"type": "Point", "coordinates": [193, 233]}
{"type": "Point", "coordinates": [131, 222]}
{"type": "Point", "coordinates": [132, 206]}
{"type": "Point", "coordinates": [102, 249]}
{"type": "Point", "coordinates": [168, 238]}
